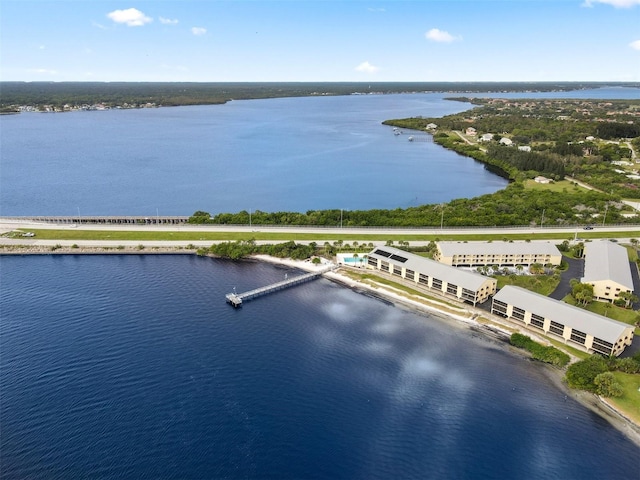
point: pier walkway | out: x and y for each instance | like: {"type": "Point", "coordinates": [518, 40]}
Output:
{"type": "Point", "coordinates": [236, 299]}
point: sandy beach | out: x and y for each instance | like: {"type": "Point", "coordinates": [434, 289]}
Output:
{"type": "Point", "coordinates": [458, 316]}
{"type": "Point", "coordinates": [468, 317]}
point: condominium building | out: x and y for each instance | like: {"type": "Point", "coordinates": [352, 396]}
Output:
{"type": "Point", "coordinates": [502, 254]}
{"type": "Point", "coordinates": [607, 268]}
{"type": "Point", "coordinates": [449, 281]}
{"type": "Point", "coordinates": [556, 319]}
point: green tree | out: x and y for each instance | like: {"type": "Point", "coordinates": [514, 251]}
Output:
{"type": "Point", "coordinates": [629, 298]}
{"type": "Point", "coordinates": [580, 375]}
{"type": "Point", "coordinates": [581, 292]}
{"type": "Point", "coordinates": [607, 386]}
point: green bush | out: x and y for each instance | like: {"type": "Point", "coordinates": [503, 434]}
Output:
{"type": "Point", "coordinates": [607, 386]}
{"type": "Point", "coordinates": [540, 352]}
{"type": "Point", "coordinates": [581, 375]}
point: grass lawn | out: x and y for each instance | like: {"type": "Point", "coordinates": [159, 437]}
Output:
{"type": "Point", "coordinates": [542, 284]}
{"type": "Point", "coordinates": [373, 279]}
{"type": "Point", "coordinates": [142, 235]}
{"type": "Point", "coordinates": [630, 400]}
{"type": "Point", "coordinates": [624, 315]}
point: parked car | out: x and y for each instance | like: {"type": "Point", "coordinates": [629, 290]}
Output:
{"type": "Point", "coordinates": [588, 227]}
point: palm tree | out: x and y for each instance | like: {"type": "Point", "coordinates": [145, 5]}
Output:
{"type": "Point", "coordinates": [355, 256]}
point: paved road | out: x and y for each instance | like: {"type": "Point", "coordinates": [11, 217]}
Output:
{"type": "Point", "coordinates": [617, 231]}
{"type": "Point", "coordinates": [575, 270]}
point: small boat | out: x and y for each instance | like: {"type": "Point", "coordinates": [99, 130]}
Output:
{"type": "Point", "coordinates": [410, 139]}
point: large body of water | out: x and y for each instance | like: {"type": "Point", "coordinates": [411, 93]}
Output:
{"type": "Point", "coordinates": [135, 367]}
{"type": "Point", "coordinates": [290, 154]}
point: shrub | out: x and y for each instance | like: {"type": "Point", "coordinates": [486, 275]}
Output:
{"type": "Point", "coordinates": [546, 354]}
{"type": "Point", "coordinates": [607, 386]}
{"type": "Point", "coordinates": [581, 375]}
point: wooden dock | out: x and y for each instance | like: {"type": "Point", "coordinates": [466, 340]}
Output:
{"type": "Point", "coordinates": [236, 299]}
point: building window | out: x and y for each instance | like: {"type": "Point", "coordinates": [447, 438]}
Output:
{"type": "Point", "coordinates": [578, 336]}
{"type": "Point", "coordinates": [537, 321]}
{"type": "Point", "coordinates": [602, 347]}
{"type": "Point", "coordinates": [397, 270]}
{"type": "Point", "coordinates": [384, 266]}
{"type": "Point", "coordinates": [499, 307]}
{"type": "Point", "coordinates": [518, 313]}
{"type": "Point", "coordinates": [424, 279]}
{"type": "Point", "coordinates": [410, 275]}
{"type": "Point", "coordinates": [556, 328]}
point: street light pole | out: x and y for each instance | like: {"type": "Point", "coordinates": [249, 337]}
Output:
{"type": "Point", "coordinates": [542, 219]}
{"type": "Point", "coordinates": [340, 218]}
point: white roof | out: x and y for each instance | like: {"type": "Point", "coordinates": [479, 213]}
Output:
{"type": "Point", "coordinates": [463, 278]}
{"type": "Point", "coordinates": [601, 327]}
{"type": "Point", "coordinates": [450, 249]}
{"type": "Point", "coordinates": [605, 260]}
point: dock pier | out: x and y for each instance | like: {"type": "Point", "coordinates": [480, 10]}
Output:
{"type": "Point", "coordinates": [236, 299]}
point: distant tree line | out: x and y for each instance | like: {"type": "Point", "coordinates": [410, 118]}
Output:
{"type": "Point", "coordinates": [203, 93]}
{"type": "Point", "coordinates": [513, 205]}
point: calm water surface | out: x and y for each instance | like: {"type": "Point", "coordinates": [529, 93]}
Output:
{"type": "Point", "coordinates": [134, 367]}
{"type": "Point", "coordinates": [291, 154]}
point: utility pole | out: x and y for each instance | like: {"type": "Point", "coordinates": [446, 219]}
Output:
{"type": "Point", "coordinates": [606, 207]}
{"type": "Point", "coordinates": [542, 219]}
{"type": "Point", "coordinates": [441, 216]}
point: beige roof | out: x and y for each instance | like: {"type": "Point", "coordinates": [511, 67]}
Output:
{"type": "Point", "coordinates": [463, 278]}
{"type": "Point", "coordinates": [605, 260]}
{"type": "Point", "coordinates": [601, 327]}
{"type": "Point", "coordinates": [450, 249]}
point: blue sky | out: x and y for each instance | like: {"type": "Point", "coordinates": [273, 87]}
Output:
{"type": "Point", "coordinates": [327, 40]}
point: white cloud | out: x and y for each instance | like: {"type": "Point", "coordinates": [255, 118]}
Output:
{"type": "Point", "coordinates": [437, 35]}
{"type": "Point", "coordinates": [614, 3]}
{"type": "Point", "coordinates": [635, 45]}
{"type": "Point", "coordinates": [377, 10]}
{"type": "Point", "coordinates": [366, 67]}
{"type": "Point", "coordinates": [168, 21]}
{"type": "Point", "coordinates": [198, 30]}
{"type": "Point", "coordinates": [131, 17]}
{"type": "Point", "coordinates": [98, 25]}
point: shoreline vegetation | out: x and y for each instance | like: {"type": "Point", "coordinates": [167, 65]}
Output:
{"type": "Point", "coordinates": [570, 162]}
{"type": "Point", "coordinates": [460, 316]}
{"type": "Point", "coordinates": [69, 96]}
